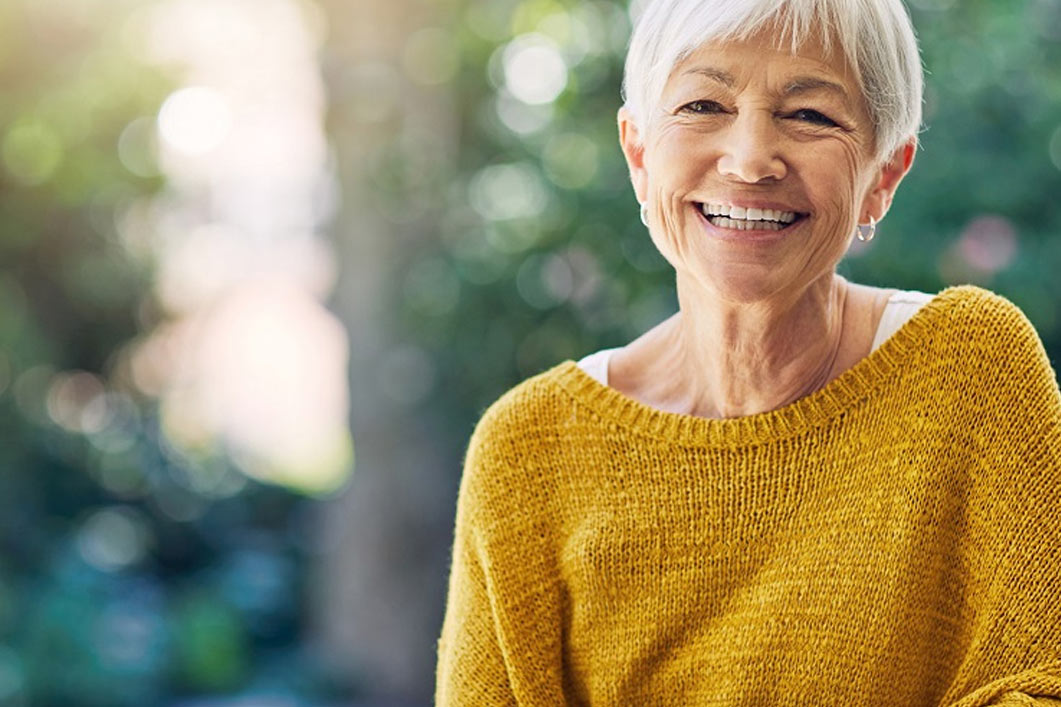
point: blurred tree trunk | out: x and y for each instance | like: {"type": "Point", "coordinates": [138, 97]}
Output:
{"type": "Point", "coordinates": [377, 612]}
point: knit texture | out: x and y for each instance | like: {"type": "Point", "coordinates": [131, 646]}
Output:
{"type": "Point", "coordinates": [891, 539]}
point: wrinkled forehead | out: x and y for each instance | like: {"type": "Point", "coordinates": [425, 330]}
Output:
{"type": "Point", "coordinates": [812, 53]}
{"type": "Point", "coordinates": [809, 66]}
{"type": "Point", "coordinates": [678, 30]}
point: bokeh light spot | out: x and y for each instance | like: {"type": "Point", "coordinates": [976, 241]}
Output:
{"type": "Point", "coordinates": [508, 191]}
{"type": "Point", "coordinates": [76, 402]}
{"type": "Point", "coordinates": [544, 281]}
{"type": "Point", "coordinates": [131, 635]}
{"type": "Point", "coordinates": [535, 71]}
{"type": "Point", "coordinates": [586, 271]}
{"type": "Point", "coordinates": [988, 243]}
{"type": "Point", "coordinates": [137, 148]}
{"type": "Point", "coordinates": [194, 120]}
{"type": "Point", "coordinates": [558, 278]}
{"type": "Point", "coordinates": [113, 538]}
{"type": "Point", "coordinates": [521, 118]}
{"type": "Point", "coordinates": [265, 373]}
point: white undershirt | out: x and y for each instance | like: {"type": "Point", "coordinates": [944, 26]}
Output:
{"type": "Point", "coordinates": [901, 306]}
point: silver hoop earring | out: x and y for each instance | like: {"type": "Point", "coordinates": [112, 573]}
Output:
{"type": "Point", "coordinates": [644, 212]}
{"type": "Point", "coordinates": [865, 232]}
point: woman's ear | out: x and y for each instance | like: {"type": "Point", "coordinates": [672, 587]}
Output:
{"type": "Point", "coordinates": [891, 173]}
{"type": "Point", "coordinates": [634, 151]}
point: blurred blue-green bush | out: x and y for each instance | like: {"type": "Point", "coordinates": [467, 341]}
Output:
{"type": "Point", "coordinates": [123, 582]}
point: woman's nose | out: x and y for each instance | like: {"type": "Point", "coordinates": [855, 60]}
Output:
{"type": "Point", "coordinates": [751, 150]}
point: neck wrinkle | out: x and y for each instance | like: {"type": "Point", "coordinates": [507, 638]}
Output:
{"type": "Point", "coordinates": [740, 359]}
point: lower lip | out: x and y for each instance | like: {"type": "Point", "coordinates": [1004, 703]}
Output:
{"type": "Point", "coordinates": [732, 235]}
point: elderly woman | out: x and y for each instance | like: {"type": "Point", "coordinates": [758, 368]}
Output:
{"type": "Point", "coordinates": [796, 490]}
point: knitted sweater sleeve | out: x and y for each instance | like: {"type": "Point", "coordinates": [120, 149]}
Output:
{"type": "Point", "coordinates": [471, 667]}
{"type": "Point", "coordinates": [501, 635]}
{"type": "Point", "coordinates": [1014, 655]}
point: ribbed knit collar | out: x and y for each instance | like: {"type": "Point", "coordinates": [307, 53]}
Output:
{"type": "Point", "coordinates": [840, 396]}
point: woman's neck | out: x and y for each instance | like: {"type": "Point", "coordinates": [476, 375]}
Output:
{"type": "Point", "coordinates": [720, 359]}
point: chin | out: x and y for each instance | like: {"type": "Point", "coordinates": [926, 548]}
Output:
{"type": "Point", "coordinates": [738, 284]}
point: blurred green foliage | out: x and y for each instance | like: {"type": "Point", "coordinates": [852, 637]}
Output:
{"type": "Point", "coordinates": [121, 583]}
{"type": "Point", "coordinates": [540, 255]}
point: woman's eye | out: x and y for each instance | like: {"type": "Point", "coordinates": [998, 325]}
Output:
{"type": "Point", "coordinates": [813, 116]}
{"type": "Point", "coordinates": [702, 107]}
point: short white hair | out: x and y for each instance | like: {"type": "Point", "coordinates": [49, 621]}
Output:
{"type": "Point", "coordinates": [876, 38]}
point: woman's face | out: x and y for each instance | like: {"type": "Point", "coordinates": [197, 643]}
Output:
{"type": "Point", "coordinates": [757, 166]}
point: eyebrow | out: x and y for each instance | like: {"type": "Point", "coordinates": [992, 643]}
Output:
{"type": "Point", "coordinates": [712, 73]}
{"type": "Point", "coordinates": [807, 84]}
{"type": "Point", "coordinates": [798, 85]}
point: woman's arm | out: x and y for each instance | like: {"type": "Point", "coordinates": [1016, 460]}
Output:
{"type": "Point", "coordinates": [1014, 653]}
{"type": "Point", "coordinates": [471, 667]}
{"type": "Point", "coordinates": [501, 638]}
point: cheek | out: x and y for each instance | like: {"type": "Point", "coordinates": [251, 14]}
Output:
{"type": "Point", "coordinates": [667, 230]}
{"type": "Point", "coordinates": [839, 182]}
{"type": "Point", "coordinates": [674, 170]}
{"type": "Point", "coordinates": [834, 182]}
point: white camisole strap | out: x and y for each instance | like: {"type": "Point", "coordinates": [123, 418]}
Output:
{"type": "Point", "coordinates": [596, 365]}
{"type": "Point", "coordinates": [901, 306]}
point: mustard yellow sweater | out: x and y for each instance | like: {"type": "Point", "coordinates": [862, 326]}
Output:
{"type": "Point", "coordinates": [892, 539]}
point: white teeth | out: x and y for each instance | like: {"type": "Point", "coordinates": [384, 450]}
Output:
{"type": "Point", "coordinates": [739, 212]}
{"type": "Point", "coordinates": [744, 225]}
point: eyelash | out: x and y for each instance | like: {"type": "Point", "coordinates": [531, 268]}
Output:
{"type": "Point", "coordinates": [815, 117]}
{"type": "Point", "coordinates": [809, 115]}
{"type": "Point", "coordinates": [690, 106]}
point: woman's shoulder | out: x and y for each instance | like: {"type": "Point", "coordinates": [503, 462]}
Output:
{"type": "Point", "coordinates": [984, 315]}
{"type": "Point", "coordinates": [532, 421]}
{"type": "Point", "coordinates": [539, 402]}
{"type": "Point", "coordinates": [989, 336]}
{"type": "Point", "coordinates": [525, 438]}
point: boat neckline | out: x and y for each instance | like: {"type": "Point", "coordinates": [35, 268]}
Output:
{"type": "Point", "coordinates": [839, 396]}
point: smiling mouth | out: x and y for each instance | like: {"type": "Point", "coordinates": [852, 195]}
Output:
{"type": "Point", "coordinates": [738, 218]}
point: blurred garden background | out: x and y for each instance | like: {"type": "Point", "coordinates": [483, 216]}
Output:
{"type": "Point", "coordinates": [241, 238]}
